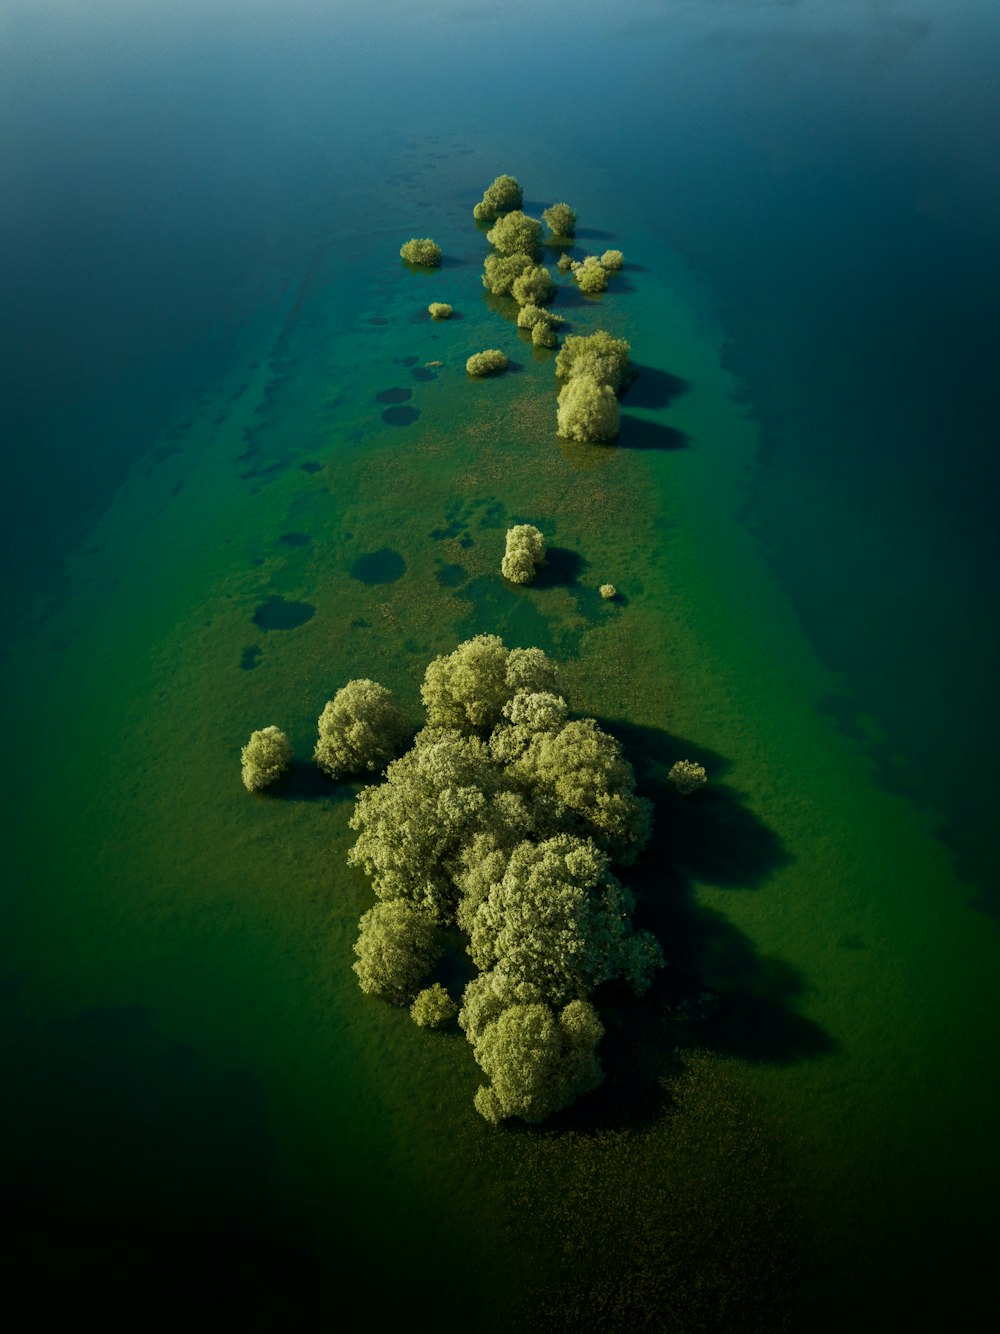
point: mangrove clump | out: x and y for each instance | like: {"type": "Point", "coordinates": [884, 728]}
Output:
{"type": "Point", "coordinates": [421, 250]}
{"type": "Point", "coordinates": [525, 552]}
{"type": "Point", "coordinates": [489, 362]}
{"type": "Point", "coordinates": [502, 196]}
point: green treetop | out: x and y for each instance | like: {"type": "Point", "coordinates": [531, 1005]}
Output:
{"type": "Point", "coordinates": [516, 233]}
{"type": "Point", "coordinates": [561, 220]}
{"type": "Point", "coordinates": [421, 250]}
{"type": "Point", "coordinates": [360, 730]}
{"type": "Point", "coordinates": [603, 358]}
{"type": "Point", "coordinates": [265, 758]}
{"type": "Point", "coordinates": [501, 197]}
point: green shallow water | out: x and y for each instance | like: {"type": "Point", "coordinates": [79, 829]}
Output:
{"type": "Point", "coordinates": [182, 951]}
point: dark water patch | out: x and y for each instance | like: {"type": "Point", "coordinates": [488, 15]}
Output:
{"type": "Point", "coordinates": [238, 393]}
{"type": "Point", "coordinates": [265, 474]}
{"type": "Point", "coordinates": [295, 539]}
{"type": "Point", "coordinates": [250, 657]}
{"type": "Point", "coordinates": [307, 782]}
{"type": "Point", "coordinates": [359, 623]}
{"type": "Point", "coordinates": [423, 374]}
{"type": "Point", "coordinates": [378, 320]}
{"type": "Point", "coordinates": [594, 234]}
{"type": "Point", "coordinates": [310, 466]}
{"type": "Point", "coordinates": [654, 388]}
{"type": "Point", "coordinates": [449, 533]}
{"type": "Point", "coordinates": [177, 487]}
{"type": "Point", "coordinates": [639, 433]}
{"type": "Point", "coordinates": [395, 395]}
{"type": "Point", "coordinates": [451, 576]}
{"type": "Point", "coordinates": [278, 613]}
{"type": "Point", "coordinates": [384, 566]}
{"type": "Point", "coordinates": [400, 416]}
{"type": "Point", "coordinates": [405, 361]}
{"type": "Point", "coordinates": [494, 513]}
{"type": "Point", "coordinates": [562, 567]}
{"type": "Point", "coordinates": [497, 607]}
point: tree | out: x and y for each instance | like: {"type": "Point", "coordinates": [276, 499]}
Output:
{"type": "Point", "coordinates": [543, 335]}
{"type": "Point", "coordinates": [467, 689]}
{"type": "Point", "coordinates": [587, 410]}
{"type": "Point", "coordinates": [501, 197]}
{"type": "Point", "coordinates": [439, 310]}
{"type": "Point", "coordinates": [687, 777]}
{"type": "Point", "coordinates": [500, 272]}
{"type": "Point", "coordinates": [433, 1007]}
{"type": "Point", "coordinates": [525, 552]}
{"type": "Point", "coordinates": [515, 233]}
{"type": "Point", "coordinates": [396, 947]}
{"type": "Point", "coordinates": [561, 220]}
{"type": "Point", "coordinates": [603, 358]}
{"type": "Point", "coordinates": [612, 260]}
{"type": "Point", "coordinates": [265, 758]}
{"type": "Point", "coordinates": [608, 591]}
{"type": "Point", "coordinates": [360, 729]}
{"type": "Point", "coordinates": [421, 250]}
{"type": "Point", "coordinates": [533, 287]}
{"type": "Point", "coordinates": [490, 362]}
{"type": "Point", "coordinates": [530, 315]}
{"type": "Point", "coordinates": [591, 276]}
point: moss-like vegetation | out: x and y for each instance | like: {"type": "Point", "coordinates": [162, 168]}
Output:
{"type": "Point", "coordinates": [439, 310]}
{"type": "Point", "coordinates": [608, 591]}
{"type": "Point", "coordinates": [490, 362]}
{"type": "Point", "coordinates": [533, 287]}
{"type": "Point", "coordinates": [587, 411]}
{"type": "Point", "coordinates": [612, 260]}
{"type": "Point", "coordinates": [524, 554]}
{"type": "Point", "coordinates": [500, 272]}
{"type": "Point", "coordinates": [360, 730]}
{"type": "Point", "coordinates": [502, 196]}
{"type": "Point", "coordinates": [687, 777]}
{"type": "Point", "coordinates": [561, 220]}
{"type": "Point", "coordinates": [603, 358]}
{"type": "Point", "coordinates": [504, 820]}
{"type": "Point", "coordinates": [515, 234]}
{"type": "Point", "coordinates": [423, 251]}
{"type": "Point", "coordinates": [433, 1007]}
{"type": "Point", "coordinates": [265, 757]}
{"type": "Point", "coordinates": [591, 276]}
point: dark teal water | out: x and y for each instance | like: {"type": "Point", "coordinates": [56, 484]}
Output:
{"type": "Point", "coordinates": [183, 186]}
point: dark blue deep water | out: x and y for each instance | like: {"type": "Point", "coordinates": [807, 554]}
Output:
{"type": "Point", "coordinates": [175, 177]}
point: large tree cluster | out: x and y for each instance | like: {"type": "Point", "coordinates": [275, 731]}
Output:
{"type": "Point", "coordinates": [594, 369]}
{"type": "Point", "coordinates": [504, 820]}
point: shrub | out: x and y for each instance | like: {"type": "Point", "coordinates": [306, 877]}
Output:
{"type": "Point", "coordinates": [608, 591]}
{"type": "Point", "coordinates": [467, 689]}
{"type": "Point", "coordinates": [396, 947]}
{"type": "Point", "coordinates": [439, 310]}
{"type": "Point", "coordinates": [561, 220]}
{"type": "Point", "coordinates": [591, 276]}
{"type": "Point", "coordinates": [564, 263]}
{"type": "Point", "coordinates": [265, 758]}
{"type": "Point", "coordinates": [516, 233]}
{"type": "Point", "coordinates": [360, 729]}
{"type": "Point", "coordinates": [534, 287]}
{"type": "Point", "coordinates": [612, 259]}
{"type": "Point", "coordinates": [587, 411]}
{"type": "Point", "coordinates": [603, 358]}
{"type": "Point", "coordinates": [423, 251]}
{"type": "Point", "coordinates": [500, 272]}
{"type": "Point", "coordinates": [502, 196]}
{"type": "Point", "coordinates": [433, 1007]}
{"type": "Point", "coordinates": [687, 777]}
{"type": "Point", "coordinates": [490, 362]}
{"type": "Point", "coordinates": [543, 335]}
{"type": "Point", "coordinates": [525, 552]}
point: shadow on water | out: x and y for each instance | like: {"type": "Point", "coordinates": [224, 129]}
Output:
{"type": "Point", "coordinates": [640, 433]}
{"type": "Point", "coordinates": [307, 782]}
{"type": "Point", "coordinates": [654, 388]}
{"type": "Point", "coordinates": [562, 567]}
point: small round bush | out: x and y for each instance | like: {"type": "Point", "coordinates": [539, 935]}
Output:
{"type": "Point", "coordinates": [265, 758]}
{"type": "Point", "coordinates": [543, 334]}
{"type": "Point", "coordinates": [516, 233]}
{"type": "Point", "coordinates": [588, 411]}
{"type": "Point", "coordinates": [525, 552]}
{"type": "Point", "coordinates": [528, 316]}
{"type": "Point", "coordinates": [687, 777]}
{"type": "Point", "coordinates": [561, 220]}
{"type": "Point", "coordinates": [534, 287]}
{"type": "Point", "coordinates": [598, 355]}
{"type": "Point", "coordinates": [433, 1007]}
{"type": "Point", "coordinates": [564, 263]}
{"type": "Point", "coordinates": [421, 250]}
{"type": "Point", "coordinates": [608, 591]}
{"type": "Point", "coordinates": [439, 310]}
{"type": "Point", "coordinates": [612, 259]}
{"type": "Point", "coordinates": [490, 362]}
{"type": "Point", "coordinates": [360, 730]}
{"type": "Point", "coordinates": [591, 276]}
{"type": "Point", "coordinates": [502, 196]}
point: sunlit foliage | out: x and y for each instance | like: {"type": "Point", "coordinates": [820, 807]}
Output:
{"type": "Point", "coordinates": [587, 410]}
{"type": "Point", "coordinates": [502, 196]}
{"type": "Point", "coordinates": [433, 1007]}
{"type": "Point", "coordinates": [500, 272]}
{"type": "Point", "coordinates": [516, 233]}
{"type": "Point", "coordinates": [591, 276]}
{"type": "Point", "coordinates": [612, 260]}
{"type": "Point", "coordinates": [533, 287]}
{"type": "Point", "coordinates": [603, 358]}
{"type": "Point", "coordinates": [561, 220]}
{"type": "Point", "coordinates": [687, 777]}
{"type": "Point", "coordinates": [490, 362]}
{"type": "Point", "coordinates": [265, 758]}
{"type": "Point", "coordinates": [608, 591]}
{"type": "Point", "coordinates": [421, 250]}
{"type": "Point", "coordinates": [396, 947]}
{"type": "Point", "coordinates": [360, 730]}
{"type": "Point", "coordinates": [525, 552]}
{"type": "Point", "coordinates": [439, 310]}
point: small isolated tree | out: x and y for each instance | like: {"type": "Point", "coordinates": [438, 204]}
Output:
{"type": "Point", "coordinates": [502, 196]}
{"type": "Point", "coordinates": [423, 251]}
{"type": "Point", "coordinates": [360, 730]}
{"type": "Point", "coordinates": [603, 358]}
{"type": "Point", "coordinates": [516, 233]}
{"type": "Point", "coordinates": [561, 220]}
{"type": "Point", "coordinates": [587, 411]}
{"type": "Point", "coordinates": [591, 276]}
{"type": "Point", "coordinates": [612, 260]}
{"type": "Point", "coordinates": [543, 335]}
{"type": "Point", "coordinates": [608, 591]}
{"type": "Point", "coordinates": [686, 776]}
{"type": "Point", "coordinates": [490, 362]}
{"type": "Point", "coordinates": [564, 263]}
{"type": "Point", "coordinates": [265, 758]}
{"type": "Point", "coordinates": [500, 272]}
{"type": "Point", "coordinates": [525, 552]}
{"type": "Point", "coordinates": [433, 1007]}
{"type": "Point", "coordinates": [534, 287]}
{"type": "Point", "coordinates": [439, 310]}
{"type": "Point", "coordinates": [396, 947]}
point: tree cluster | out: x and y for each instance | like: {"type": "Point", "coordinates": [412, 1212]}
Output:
{"type": "Point", "coordinates": [421, 250]}
{"type": "Point", "coordinates": [504, 819]}
{"type": "Point", "coordinates": [502, 196]}
{"type": "Point", "coordinates": [525, 552]}
{"type": "Point", "coordinates": [595, 368]}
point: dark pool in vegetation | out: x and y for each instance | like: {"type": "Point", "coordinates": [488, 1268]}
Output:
{"type": "Point", "coordinates": [202, 303]}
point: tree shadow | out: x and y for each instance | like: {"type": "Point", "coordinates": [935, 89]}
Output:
{"type": "Point", "coordinates": [652, 388]}
{"type": "Point", "coordinates": [307, 782]}
{"type": "Point", "coordinates": [562, 567]}
{"type": "Point", "coordinates": [593, 234]}
{"type": "Point", "coordinates": [640, 433]}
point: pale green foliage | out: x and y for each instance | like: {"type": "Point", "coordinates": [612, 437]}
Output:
{"type": "Point", "coordinates": [360, 730]}
{"type": "Point", "coordinates": [587, 411]}
{"type": "Point", "coordinates": [564, 263]}
{"type": "Point", "coordinates": [440, 310]}
{"type": "Point", "coordinates": [467, 689]}
{"type": "Point", "coordinates": [591, 276]}
{"type": "Point", "coordinates": [537, 1061]}
{"type": "Point", "coordinates": [543, 335]}
{"type": "Point", "coordinates": [561, 220]}
{"type": "Point", "coordinates": [603, 358]}
{"type": "Point", "coordinates": [608, 591]}
{"type": "Point", "coordinates": [421, 250]}
{"type": "Point", "coordinates": [534, 287]}
{"type": "Point", "coordinates": [516, 233]}
{"type": "Point", "coordinates": [528, 316]}
{"type": "Point", "coordinates": [501, 197]}
{"type": "Point", "coordinates": [265, 758]}
{"type": "Point", "coordinates": [686, 776]}
{"type": "Point", "coordinates": [396, 947]}
{"type": "Point", "coordinates": [490, 362]}
{"type": "Point", "coordinates": [500, 272]}
{"type": "Point", "coordinates": [433, 1007]}
{"type": "Point", "coordinates": [612, 259]}
{"type": "Point", "coordinates": [525, 552]}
